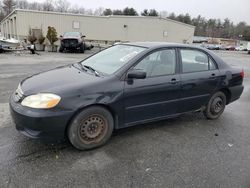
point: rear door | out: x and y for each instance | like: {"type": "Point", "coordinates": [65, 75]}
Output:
{"type": "Point", "coordinates": [199, 78]}
{"type": "Point", "coordinates": [157, 95]}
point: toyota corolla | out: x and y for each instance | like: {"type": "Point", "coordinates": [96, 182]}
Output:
{"type": "Point", "coordinates": [121, 86]}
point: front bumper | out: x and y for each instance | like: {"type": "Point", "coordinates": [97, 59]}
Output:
{"type": "Point", "coordinates": [39, 123]}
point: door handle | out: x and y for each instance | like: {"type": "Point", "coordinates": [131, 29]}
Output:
{"type": "Point", "coordinates": [174, 81]}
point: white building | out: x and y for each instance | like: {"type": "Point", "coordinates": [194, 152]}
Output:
{"type": "Point", "coordinates": [103, 28]}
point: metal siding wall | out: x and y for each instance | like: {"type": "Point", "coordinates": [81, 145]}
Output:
{"type": "Point", "coordinates": [107, 28]}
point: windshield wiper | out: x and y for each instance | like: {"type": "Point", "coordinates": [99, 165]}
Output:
{"type": "Point", "coordinates": [92, 69]}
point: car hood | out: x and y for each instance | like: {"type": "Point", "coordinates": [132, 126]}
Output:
{"type": "Point", "coordinates": [58, 80]}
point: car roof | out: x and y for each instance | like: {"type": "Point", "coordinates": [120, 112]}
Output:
{"type": "Point", "coordinates": [159, 44]}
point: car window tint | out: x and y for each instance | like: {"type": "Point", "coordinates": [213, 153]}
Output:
{"type": "Point", "coordinates": [158, 63]}
{"type": "Point", "coordinates": [194, 60]}
{"type": "Point", "coordinates": [212, 65]}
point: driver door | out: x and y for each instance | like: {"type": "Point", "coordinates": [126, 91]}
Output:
{"type": "Point", "coordinates": [156, 96]}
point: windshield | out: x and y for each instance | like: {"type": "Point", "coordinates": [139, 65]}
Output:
{"type": "Point", "coordinates": [110, 60]}
{"type": "Point", "coordinates": [72, 34]}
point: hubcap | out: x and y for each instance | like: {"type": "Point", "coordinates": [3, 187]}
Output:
{"type": "Point", "coordinates": [92, 129]}
{"type": "Point", "coordinates": [217, 105]}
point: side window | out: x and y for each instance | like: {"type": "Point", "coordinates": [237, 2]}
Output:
{"type": "Point", "coordinates": [194, 61]}
{"type": "Point", "coordinates": [158, 63]}
{"type": "Point", "coordinates": [212, 65]}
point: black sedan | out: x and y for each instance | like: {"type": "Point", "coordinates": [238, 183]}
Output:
{"type": "Point", "coordinates": [121, 86]}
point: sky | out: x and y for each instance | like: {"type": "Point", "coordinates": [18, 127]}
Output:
{"type": "Point", "coordinates": [235, 10]}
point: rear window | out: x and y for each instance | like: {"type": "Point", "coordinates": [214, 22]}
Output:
{"type": "Point", "coordinates": [194, 61]}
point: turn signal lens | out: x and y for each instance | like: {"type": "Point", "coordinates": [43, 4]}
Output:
{"type": "Point", "coordinates": [52, 103]}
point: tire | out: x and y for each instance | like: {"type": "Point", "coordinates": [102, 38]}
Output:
{"type": "Point", "coordinates": [91, 128]}
{"type": "Point", "coordinates": [82, 48]}
{"type": "Point", "coordinates": [215, 106]}
{"type": "Point", "coordinates": [61, 49]}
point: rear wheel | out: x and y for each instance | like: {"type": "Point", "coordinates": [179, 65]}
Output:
{"type": "Point", "coordinates": [91, 128]}
{"type": "Point", "coordinates": [215, 106]}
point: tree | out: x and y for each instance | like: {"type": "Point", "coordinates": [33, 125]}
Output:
{"type": "Point", "coordinates": [1, 15]}
{"type": "Point", "coordinates": [22, 4]}
{"type": "Point", "coordinates": [107, 12]}
{"type": "Point", "coordinates": [89, 12]}
{"type": "Point", "coordinates": [8, 6]}
{"type": "Point", "coordinates": [62, 5]}
{"type": "Point", "coordinates": [211, 27]}
{"type": "Point", "coordinates": [99, 11]}
{"type": "Point", "coordinates": [31, 36]}
{"type": "Point", "coordinates": [82, 10]}
{"type": "Point", "coordinates": [1, 12]}
{"type": "Point", "coordinates": [153, 12]}
{"type": "Point", "coordinates": [145, 12]}
{"type": "Point", "coordinates": [48, 5]}
{"type": "Point", "coordinates": [226, 28]}
{"type": "Point", "coordinates": [77, 10]}
{"type": "Point", "coordinates": [35, 6]}
{"type": "Point", "coordinates": [129, 12]}
{"type": "Point", "coordinates": [117, 12]}
{"type": "Point", "coordinates": [200, 25]}
{"type": "Point", "coordinates": [172, 16]}
{"type": "Point", "coordinates": [246, 33]}
{"type": "Point", "coordinates": [240, 28]}
{"type": "Point", "coordinates": [180, 18]}
{"type": "Point", "coordinates": [51, 35]}
{"type": "Point", "coordinates": [187, 19]}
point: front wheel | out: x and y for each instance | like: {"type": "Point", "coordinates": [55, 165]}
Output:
{"type": "Point", "coordinates": [215, 106]}
{"type": "Point", "coordinates": [91, 128]}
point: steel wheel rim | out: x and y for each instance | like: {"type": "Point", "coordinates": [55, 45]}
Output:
{"type": "Point", "coordinates": [92, 129]}
{"type": "Point", "coordinates": [217, 105]}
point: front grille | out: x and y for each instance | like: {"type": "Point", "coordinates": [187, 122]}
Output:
{"type": "Point", "coordinates": [70, 42]}
{"type": "Point", "coordinates": [18, 95]}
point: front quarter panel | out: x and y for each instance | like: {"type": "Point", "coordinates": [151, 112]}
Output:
{"type": "Point", "coordinates": [108, 93]}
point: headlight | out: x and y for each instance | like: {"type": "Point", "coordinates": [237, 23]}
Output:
{"type": "Point", "coordinates": [41, 100]}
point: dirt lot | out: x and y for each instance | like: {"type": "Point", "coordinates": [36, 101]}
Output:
{"type": "Point", "coordinates": [188, 151]}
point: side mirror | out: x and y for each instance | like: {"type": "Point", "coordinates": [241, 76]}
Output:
{"type": "Point", "coordinates": [61, 36]}
{"type": "Point", "coordinates": [83, 36]}
{"type": "Point", "coordinates": [137, 74]}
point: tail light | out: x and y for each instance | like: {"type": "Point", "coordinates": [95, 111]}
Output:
{"type": "Point", "coordinates": [242, 74]}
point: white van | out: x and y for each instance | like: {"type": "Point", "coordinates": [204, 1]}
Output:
{"type": "Point", "coordinates": [248, 47]}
